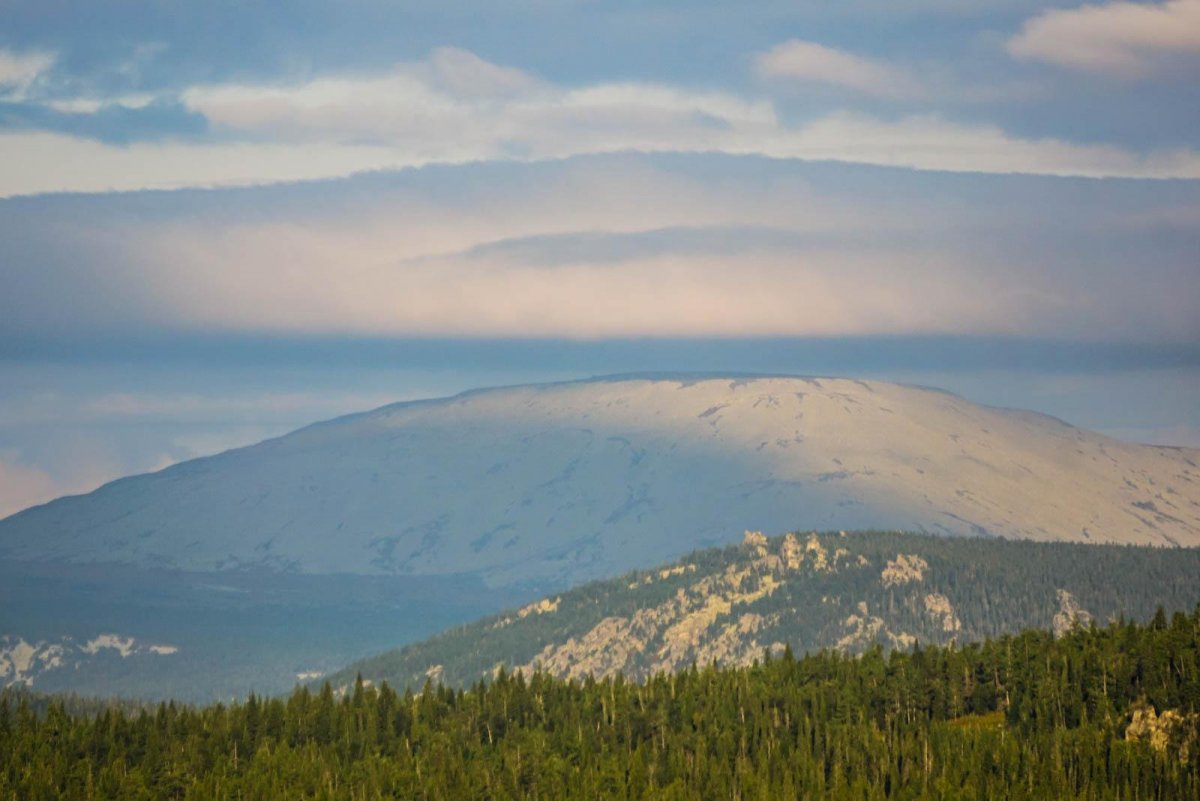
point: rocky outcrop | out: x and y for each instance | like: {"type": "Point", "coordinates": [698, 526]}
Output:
{"type": "Point", "coordinates": [1070, 614]}
{"type": "Point", "coordinates": [712, 618]}
{"type": "Point", "coordinates": [864, 629]}
{"type": "Point", "coordinates": [22, 663]}
{"type": "Point", "coordinates": [903, 569]}
{"type": "Point", "coordinates": [1172, 732]}
{"type": "Point", "coordinates": [701, 622]}
{"type": "Point", "coordinates": [938, 607]}
{"type": "Point", "coordinates": [756, 541]}
{"type": "Point", "coordinates": [542, 607]}
{"type": "Point", "coordinates": [806, 591]}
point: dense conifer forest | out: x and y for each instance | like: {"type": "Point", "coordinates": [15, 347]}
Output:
{"type": "Point", "coordinates": [1102, 713]}
{"type": "Point", "coordinates": [808, 591]}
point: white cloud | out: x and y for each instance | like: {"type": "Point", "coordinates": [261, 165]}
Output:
{"type": "Point", "coordinates": [176, 408]}
{"type": "Point", "coordinates": [670, 294]}
{"type": "Point", "coordinates": [90, 105]}
{"type": "Point", "coordinates": [598, 248]}
{"type": "Point", "coordinates": [419, 112]}
{"type": "Point", "coordinates": [185, 409]}
{"type": "Point", "coordinates": [464, 74]}
{"type": "Point", "coordinates": [456, 108]}
{"type": "Point", "coordinates": [1125, 39]}
{"type": "Point", "coordinates": [815, 63]}
{"type": "Point", "coordinates": [18, 71]}
{"type": "Point", "coordinates": [932, 143]}
{"type": "Point", "coordinates": [752, 292]}
{"type": "Point", "coordinates": [22, 486]}
{"type": "Point", "coordinates": [39, 162]}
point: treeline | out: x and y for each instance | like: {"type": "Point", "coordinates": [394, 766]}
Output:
{"type": "Point", "coordinates": [72, 704]}
{"type": "Point", "coordinates": [1102, 713]}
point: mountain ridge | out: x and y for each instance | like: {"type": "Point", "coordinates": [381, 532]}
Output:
{"type": "Point", "coordinates": [805, 592]}
{"type": "Point", "coordinates": [579, 479]}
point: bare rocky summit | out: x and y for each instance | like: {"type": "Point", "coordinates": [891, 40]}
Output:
{"type": "Point", "coordinates": [558, 483]}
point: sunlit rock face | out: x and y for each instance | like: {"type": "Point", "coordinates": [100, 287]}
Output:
{"type": "Point", "coordinates": [564, 482]}
{"type": "Point", "coordinates": [23, 663]}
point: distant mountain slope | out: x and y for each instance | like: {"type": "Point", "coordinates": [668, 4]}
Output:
{"type": "Point", "coordinates": [572, 481]}
{"type": "Point", "coordinates": [809, 592]}
{"type": "Point", "coordinates": [105, 630]}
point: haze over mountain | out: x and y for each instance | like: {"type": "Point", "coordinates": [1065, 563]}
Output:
{"type": "Point", "coordinates": [553, 484]}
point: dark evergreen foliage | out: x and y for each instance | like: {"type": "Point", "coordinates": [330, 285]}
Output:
{"type": "Point", "coordinates": [1019, 717]}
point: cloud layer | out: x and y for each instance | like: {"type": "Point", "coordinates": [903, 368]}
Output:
{"type": "Point", "coordinates": [1130, 40]}
{"type": "Point", "coordinates": [455, 107]}
{"type": "Point", "coordinates": [616, 246]}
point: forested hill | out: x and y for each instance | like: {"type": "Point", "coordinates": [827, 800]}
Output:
{"type": "Point", "coordinates": [843, 591]}
{"type": "Point", "coordinates": [1107, 713]}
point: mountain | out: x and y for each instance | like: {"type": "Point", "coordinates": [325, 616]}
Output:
{"type": "Point", "coordinates": [21, 662]}
{"type": "Point", "coordinates": [847, 592]}
{"type": "Point", "coordinates": [558, 483]}
{"type": "Point", "coordinates": [291, 558]}
{"type": "Point", "coordinates": [111, 630]}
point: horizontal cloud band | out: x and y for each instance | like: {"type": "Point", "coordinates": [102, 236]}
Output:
{"type": "Point", "coordinates": [617, 246]}
{"type": "Point", "coordinates": [456, 108]}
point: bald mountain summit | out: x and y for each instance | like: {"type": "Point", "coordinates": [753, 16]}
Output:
{"type": "Point", "coordinates": [559, 483]}
{"type": "Point", "coordinates": [386, 527]}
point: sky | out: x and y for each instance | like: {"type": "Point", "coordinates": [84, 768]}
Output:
{"type": "Point", "coordinates": [220, 221]}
